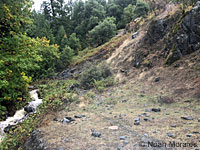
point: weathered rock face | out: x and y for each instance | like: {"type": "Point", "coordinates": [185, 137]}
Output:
{"type": "Point", "coordinates": [185, 37]}
{"type": "Point", "coordinates": [35, 142]}
{"type": "Point", "coordinates": [156, 31]}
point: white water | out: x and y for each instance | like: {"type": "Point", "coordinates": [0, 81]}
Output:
{"type": "Point", "coordinates": [20, 114]}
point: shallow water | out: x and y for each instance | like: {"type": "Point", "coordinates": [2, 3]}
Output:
{"type": "Point", "coordinates": [20, 114]}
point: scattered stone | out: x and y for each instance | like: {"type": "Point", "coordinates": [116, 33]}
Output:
{"type": "Point", "coordinates": [196, 132]}
{"type": "Point", "coordinates": [70, 118]}
{"type": "Point", "coordinates": [67, 140]}
{"type": "Point", "coordinates": [122, 137]}
{"type": "Point", "coordinates": [29, 109]}
{"type": "Point", "coordinates": [156, 109]}
{"type": "Point", "coordinates": [66, 121]}
{"type": "Point", "coordinates": [154, 132]}
{"type": "Point", "coordinates": [199, 120]}
{"type": "Point", "coordinates": [124, 101]}
{"type": "Point", "coordinates": [146, 119]}
{"type": "Point", "coordinates": [146, 135]}
{"type": "Point", "coordinates": [137, 123]}
{"type": "Point", "coordinates": [173, 126]}
{"type": "Point", "coordinates": [187, 101]}
{"type": "Point", "coordinates": [167, 114]}
{"type": "Point", "coordinates": [147, 110]}
{"type": "Point", "coordinates": [157, 79]}
{"type": "Point", "coordinates": [9, 128]}
{"type": "Point", "coordinates": [113, 127]}
{"type": "Point", "coordinates": [187, 118]}
{"type": "Point", "coordinates": [95, 134]}
{"type": "Point", "coordinates": [79, 116]}
{"type": "Point", "coordinates": [125, 142]}
{"type": "Point", "coordinates": [55, 119]}
{"type": "Point", "coordinates": [171, 135]}
{"type": "Point", "coordinates": [144, 114]}
{"type": "Point", "coordinates": [60, 149]}
{"type": "Point", "coordinates": [119, 148]}
{"type": "Point", "coordinates": [189, 135]}
{"type": "Point", "coordinates": [110, 112]}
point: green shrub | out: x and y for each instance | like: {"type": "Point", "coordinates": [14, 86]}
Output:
{"type": "Point", "coordinates": [102, 84]}
{"type": "Point", "coordinates": [93, 74]}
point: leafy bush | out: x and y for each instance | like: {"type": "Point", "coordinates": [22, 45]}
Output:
{"type": "Point", "coordinates": [104, 31]}
{"type": "Point", "coordinates": [141, 9]}
{"type": "Point", "coordinates": [93, 74]}
{"type": "Point", "coordinates": [102, 84]}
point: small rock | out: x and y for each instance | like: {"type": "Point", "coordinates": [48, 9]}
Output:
{"type": "Point", "coordinates": [196, 132]}
{"type": "Point", "coordinates": [29, 109]}
{"type": "Point", "coordinates": [144, 114]}
{"type": "Point", "coordinates": [122, 137]}
{"type": "Point", "coordinates": [9, 128]}
{"type": "Point", "coordinates": [113, 128]}
{"type": "Point", "coordinates": [154, 132]}
{"type": "Point", "coordinates": [189, 135]}
{"type": "Point", "coordinates": [137, 123]}
{"type": "Point", "coordinates": [137, 119]}
{"type": "Point", "coordinates": [199, 120]}
{"type": "Point", "coordinates": [147, 110]}
{"type": "Point", "coordinates": [79, 116]}
{"type": "Point", "coordinates": [55, 119]}
{"type": "Point", "coordinates": [96, 134]}
{"type": "Point", "coordinates": [110, 112]}
{"type": "Point", "coordinates": [60, 149]}
{"type": "Point", "coordinates": [171, 135]}
{"type": "Point", "coordinates": [119, 148]}
{"type": "Point", "coordinates": [70, 118]}
{"type": "Point", "coordinates": [156, 109]}
{"type": "Point", "coordinates": [146, 119]}
{"type": "Point", "coordinates": [157, 79]}
{"type": "Point", "coordinates": [124, 101]}
{"type": "Point", "coordinates": [66, 121]}
{"type": "Point", "coordinates": [146, 135]}
{"type": "Point", "coordinates": [67, 140]}
{"type": "Point", "coordinates": [125, 142]}
{"type": "Point", "coordinates": [187, 118]}
{"type": "Point", "coordinates": [173, 126]}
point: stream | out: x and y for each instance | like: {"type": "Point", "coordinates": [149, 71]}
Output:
{"type": "Point", "coordinates": [21, 114]}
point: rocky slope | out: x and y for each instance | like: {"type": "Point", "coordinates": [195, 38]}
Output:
{"type": "Point", "coordinates": [152, 106]}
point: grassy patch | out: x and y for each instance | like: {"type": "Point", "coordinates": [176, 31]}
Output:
{"type": "Point", "coordinates": [109, 46]}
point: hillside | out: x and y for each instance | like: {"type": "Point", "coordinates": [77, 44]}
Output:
{"type": "Point", "coordinates": [152, 101]}
{"type": "Point", "coordinates": [140, 93]}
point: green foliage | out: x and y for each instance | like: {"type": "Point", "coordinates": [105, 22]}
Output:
{"type": "Point", "coordinates": [60, 35]}
{"type": "Point", "coordinates": [129, 13]}
{"type": "Point", "coordinates": [54, 96]}
{"type": "Point", "coordinates": [65, 58]}
{"type": "Point", "coordinates": [74, 43]}
{"type": "Point", "coordinates": [103, 32]}
{"type": "Point", "coordinates": [93, 74]}
{"type": "Point", "coordinates": [141, 9]}
{"type": "Point", "coordinates": [102, 84]}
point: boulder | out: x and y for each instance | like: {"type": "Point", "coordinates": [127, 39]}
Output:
{"type": "Point", "coordinates": [35, 141]}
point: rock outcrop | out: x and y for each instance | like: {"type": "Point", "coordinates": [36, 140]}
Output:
{"type": "Point", "coordinates": [185, 36]}
{"type": "Point", "coordinates": [35, 142]}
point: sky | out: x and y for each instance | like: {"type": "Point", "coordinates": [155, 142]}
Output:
{"type": "Point", "coordinates": [37, 4]}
